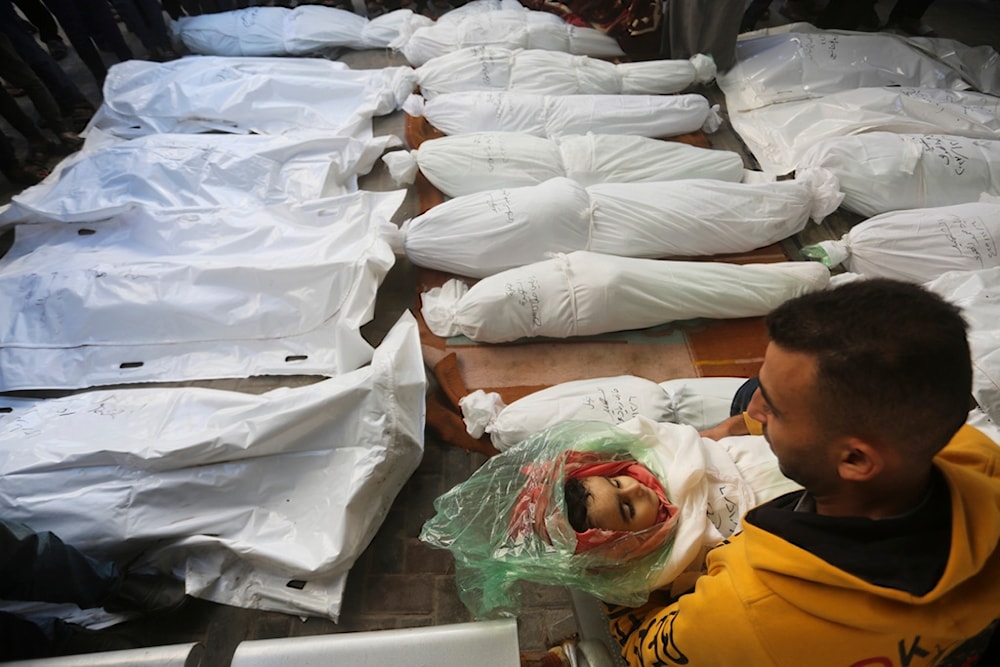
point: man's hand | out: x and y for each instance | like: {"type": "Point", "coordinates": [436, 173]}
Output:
{"type": "Point", "coordinates": [735, 425]}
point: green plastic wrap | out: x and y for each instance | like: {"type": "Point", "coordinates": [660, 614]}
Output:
{"type": "Point", "coordinates": [507, 523]}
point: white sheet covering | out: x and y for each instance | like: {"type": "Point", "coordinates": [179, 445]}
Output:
{"type": "Point", "coordinates": [555, 115]}
{"type": "Point", "coordinates": [779, 134]}
{"type": "Point", "coordinates": [467, 163]}
{"type": "Point", "coordinates": [918, 245]}
{"type": "Point", "coordinates": [523, 29]}
{"type": "Point", "coordinates": [977, 293]}
{"type": "Point", "coordinates": [172, 171]}
{"type": "Point", "coordinates": [797, 65]}
{"type": "Point", "coordinates": [237, 493]}
{"type": "Point", "coordinates": [276, 31]}
{"type": "Point", "coordinates": [484, 233]}
{"type": "Point", "coordinates": [884, 171]}
{"type": "Point", "coordinates": [584, 293]}
{"type": "Point", "coordinates": [699, 402]}
{"type": "Point", "coordinates": [979, 65]}
{"type": "Point", "coordinates": [238, 95]}
{"type": "Point", "coordinates": [556, 73]}
{"type": "Point", "coordinates": [173, 296]}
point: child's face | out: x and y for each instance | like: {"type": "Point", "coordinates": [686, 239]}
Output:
{"type": "Point", "coordinates": [620, 503]}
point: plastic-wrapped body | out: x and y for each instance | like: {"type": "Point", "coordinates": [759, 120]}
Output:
{"type": "Point", "coordinates": [508, 523]}
{"type": "Point", "coordinates": [918, 245]}
{"type": "Point", "coordinates": [883, 171]}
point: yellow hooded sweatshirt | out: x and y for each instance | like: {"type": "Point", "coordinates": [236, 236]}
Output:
{"type": "Point", "coordinates": [765, 601]}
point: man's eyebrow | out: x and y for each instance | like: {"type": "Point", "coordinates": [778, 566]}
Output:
{"type": "Point", "coordinates": [767, 397]}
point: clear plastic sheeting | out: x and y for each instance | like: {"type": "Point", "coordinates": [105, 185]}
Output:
{"type": "Point", "coordinates": [467, 163]}
{"type": "Point", "coordinates": [238, 95]}
{"type": "Point", "coordinates": [171, 296]}
{"type": "Point", "coordinates": [979, 65]}
{"type": "Point", "coordinates": [778, 135]}
{"type": "Point", "coordinates": [239, 494]}
{"type": "Point", "coordinates": [698, 402]}
{"type": "Point", "coordinates": [918, 245]}
{"type": "Point", "coordinates": [799, 65]}
{"type": "Point", "coordinates": [557, 73]}
{"type": "Point", "coordinates": [555, 115]}
{"type": "Point", "coordinates": [977, 293]}
{"type": "Point", "coordinates": [523, 29]}
{"type": "Point", "coordinates": [584, 293]}
{"type": "Point", "coordinates": [484, 233]}
{"type": "Point", "coordinates": [277, 31]}
{"type": "Point", "coordinates": [172, 171]}
{"type": "Point", "coordinates": [508, 522]}
{"type": "Point", "coordinates": [885, 171]}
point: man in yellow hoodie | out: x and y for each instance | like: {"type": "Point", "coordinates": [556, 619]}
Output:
{"type": "Point", "coordinates": [890, 556]}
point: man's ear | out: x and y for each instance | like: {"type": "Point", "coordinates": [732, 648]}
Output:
{"type": "Point", "coordinates": [860, 461]}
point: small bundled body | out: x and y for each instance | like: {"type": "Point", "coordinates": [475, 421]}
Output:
{"type": "Point", "coordinates": [918, 245]}
{"type": "Point", "coordinates": [557, 73]}
{"type": "Point", "coordinates": [514, 29]}
{"type": "Point", "coordinates": [698, 402]}
{"type": "Point", "coordinates": [884, 171]}
{"type": "Point", "coordinates": [511, 521]}
{"type": "Point", "coordinates": [584, 293]}
{"type": "Point", "coordinates": [481, 234]}
{"type": "Point", "coordinates": [467, 163]}
{"type": "Point", "coordinates": [555, 115]}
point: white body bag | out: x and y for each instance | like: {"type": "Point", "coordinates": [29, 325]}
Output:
{"type": "Point", "coordinates": [584, 293]}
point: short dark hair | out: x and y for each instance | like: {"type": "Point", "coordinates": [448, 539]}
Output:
{"type": "Point", "coordinates": [892, 357]}
{"type": "Point", "coordinates": [576, 494]}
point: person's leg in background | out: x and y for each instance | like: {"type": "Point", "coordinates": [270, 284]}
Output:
{"type": "Point", "coordinates": [48, 29]}
{"type": "Point", "coordinates": [69, 17]}
{"type": "Point", "coordinates": [16, 71]}
{"type": "Point", "coordinates": [849, 15]}
{"type": "Point", "coordinates": [134, 21]}
{"type": "Point", "coordinates": [73, 104]}
{"type": "Point", "coordinates": [701, 26]}
{"type": "Point", "coordinates": [18, 174]}
{"type": "Point", "coordinates": [101, 23]}
{"type": "Point", "coordinates": [754, 12]}
{"type": "Point", "coordinates": [906, 16]}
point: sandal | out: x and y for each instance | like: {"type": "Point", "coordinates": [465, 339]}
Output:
{"type": "Point", "coordinates": [71, 141]}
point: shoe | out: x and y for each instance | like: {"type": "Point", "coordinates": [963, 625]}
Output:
{"type": "Point", "coordinates": [70, 141]}
{"type": "Point", "coordinates": [913, 27]}
{"type": "Point", "coordinates": [57, 49]}
{"type": "Point", "coordinates": [150, 593]}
